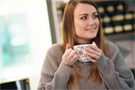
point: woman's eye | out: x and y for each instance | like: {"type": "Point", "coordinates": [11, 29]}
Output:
{"type": "Point", "coordinates": [95, 16]}
{"type": "Point", "coordinates": [84, 18]}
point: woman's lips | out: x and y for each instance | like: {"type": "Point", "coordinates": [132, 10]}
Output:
{"type": "Point", "coordinates": [91, 29]}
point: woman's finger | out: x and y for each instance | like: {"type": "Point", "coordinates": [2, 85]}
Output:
{"type": "Point", "coordinates": [67, 52]}
{"type": "Point", "coordinates": [75, 57]}
{"type": "Point", "coordinates": [93, 47]}
{"type": "Point", "coordinates": [71, 54]}
{"type": "Point", "coordinates": [67, 46]}
{"type": "Point", "coordinates": [92, 60]}
{"type": "Point", "coordinates": [89, 50]}
{"type": "Point", "coordinates": [93, 56]}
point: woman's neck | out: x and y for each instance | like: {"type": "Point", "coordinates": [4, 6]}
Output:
{"type": "Point", "coordinates": [79, 43]}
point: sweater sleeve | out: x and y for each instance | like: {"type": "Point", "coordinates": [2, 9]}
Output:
{"type": "Point", "coordinates": [114, 72]}
{"type": "Point", "coordinates": [52, 78]}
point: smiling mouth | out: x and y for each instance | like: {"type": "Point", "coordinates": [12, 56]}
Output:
{"type": "Point", "coordinates": [91, 29]}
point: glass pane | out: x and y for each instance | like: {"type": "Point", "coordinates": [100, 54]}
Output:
{"type": "Point", "coordinates": [24, 38]}
{"type": "Point", "coordinates": [14, 39]}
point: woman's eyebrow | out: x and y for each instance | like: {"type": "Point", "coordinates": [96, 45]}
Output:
{"type": "Point", "coordinates": [87, 14]}
{"type": "Point", "coordinates": [83, 14]}
{"type": "Point", "coordinates": [95, 12]}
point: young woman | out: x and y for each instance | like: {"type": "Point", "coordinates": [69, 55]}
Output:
{"type": "Point", "coordinates": [61, 69]}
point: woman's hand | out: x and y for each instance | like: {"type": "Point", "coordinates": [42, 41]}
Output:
{"type": "Point", "coordinates": [94, 52]}
{"type": "Point", "coordinates": [69, 57]}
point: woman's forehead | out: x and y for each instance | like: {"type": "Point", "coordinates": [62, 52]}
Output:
{"type": "Point", "coordinates": [84, 8]}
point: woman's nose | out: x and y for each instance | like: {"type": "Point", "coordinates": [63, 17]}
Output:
{"type": "Point", "coordinates": [91, 21]}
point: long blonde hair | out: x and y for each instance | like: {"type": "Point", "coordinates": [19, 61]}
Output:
{"type": "Point", "coordinates": [68, 36]}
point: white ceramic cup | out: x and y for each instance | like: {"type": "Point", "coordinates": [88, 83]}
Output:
{"type": "Point", "coordinates": [81, 52]}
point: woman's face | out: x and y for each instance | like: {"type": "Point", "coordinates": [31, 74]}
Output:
{"type": "Point", "coordinates": [86, 22]}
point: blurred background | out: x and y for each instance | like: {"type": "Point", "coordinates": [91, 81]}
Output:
{"type": "Point", "coordinates": [29, 27]}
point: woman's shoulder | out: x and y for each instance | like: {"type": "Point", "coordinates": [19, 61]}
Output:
{"type": "Point", "coordinates": [111, 48]}
{"type": "Point", "coordinates": [55, 48]}
{"type": "Point", "coordinates": [111, 45]}
{"type": "Point", "coordinates": [54, 56]}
